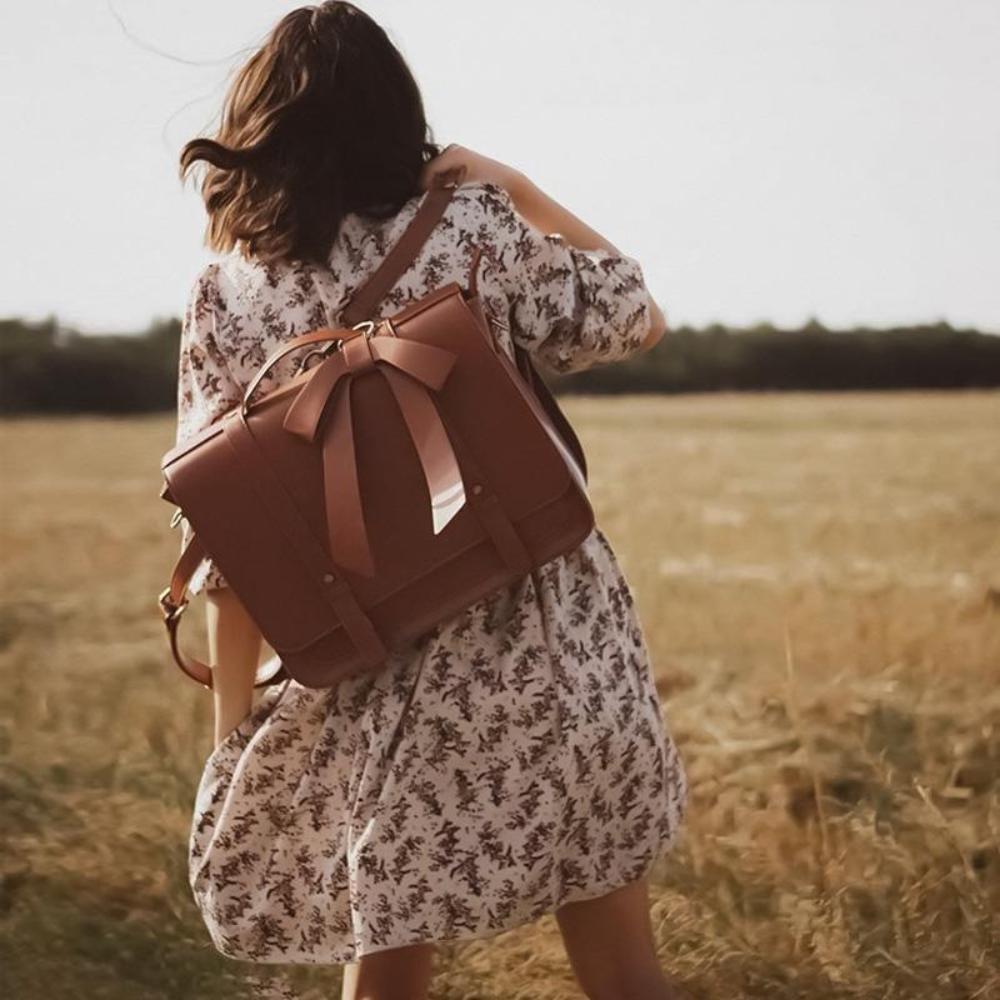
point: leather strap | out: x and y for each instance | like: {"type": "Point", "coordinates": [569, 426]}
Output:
{"type": "Point", "coordinates": [544, 396]}
{"type": "Point", "coordinates": [173, 601]}
{"type": "Point", "coordinates": [363, 300]}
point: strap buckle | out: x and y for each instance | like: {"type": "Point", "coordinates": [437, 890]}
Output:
{"type": "Point", "coordinates": [367, 327]}
{"type": "Point", "coordinates": [318, 352]}
{"type": "Point", "coordinates": [171, 611]}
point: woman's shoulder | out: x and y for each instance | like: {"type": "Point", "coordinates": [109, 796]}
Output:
{"type": "Point", "coordinates": [206, 297]}
{"type": "Point", "coordinates": [479, 212]}
{"type": "Point", "coordinates": [231, 279]}
{"type": "Point", "coordinates": [479, 192]}
{"type": "Point", "coordinates": [486, 198]}
{"type": "Point", "coordinates": [214, 281]}
{"type": "Point", "coordinates": [472, 203]}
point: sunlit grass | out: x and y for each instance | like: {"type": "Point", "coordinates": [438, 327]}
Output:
{"type": "Point", "coordinates": [819, 580]}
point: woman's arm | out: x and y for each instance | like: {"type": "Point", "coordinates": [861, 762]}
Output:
{"type": "Point", "coordinates": [234, 645]}
{"type": "Point", "coordinates": [548, 216]}
{"type": "Point", "coordinates": [536, 207]}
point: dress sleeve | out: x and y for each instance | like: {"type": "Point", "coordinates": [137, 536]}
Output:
{"type": "Point", "coordinates": [570, 309]}
{"type": "Point", "coordinates": [205, 388]}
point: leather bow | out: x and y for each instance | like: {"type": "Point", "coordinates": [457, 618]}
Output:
{"type": "Point", "coordinates": [409, 367]}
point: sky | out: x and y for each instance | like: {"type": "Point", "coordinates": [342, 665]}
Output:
{"type": "Point", "coordinates": [764, 160]}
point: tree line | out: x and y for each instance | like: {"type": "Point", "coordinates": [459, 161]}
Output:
{"type": "Point", "coordinates": [45, 368]}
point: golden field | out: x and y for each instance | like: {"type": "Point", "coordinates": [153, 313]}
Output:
{"type": "Point", "coordinates": [818, 577]}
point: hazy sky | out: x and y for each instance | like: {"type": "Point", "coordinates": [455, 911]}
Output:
{"type": "Point", "coordinates": [763, 159]}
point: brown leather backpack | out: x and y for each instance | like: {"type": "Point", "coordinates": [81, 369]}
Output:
{"type": "Point", "coordinates": [409, 472]}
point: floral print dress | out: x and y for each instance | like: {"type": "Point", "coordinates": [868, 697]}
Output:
{"type": "Point", "coordinates": [512, 759]}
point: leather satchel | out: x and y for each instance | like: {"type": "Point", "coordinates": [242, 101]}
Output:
{"type": "Point", "coordinates": [407, 470]}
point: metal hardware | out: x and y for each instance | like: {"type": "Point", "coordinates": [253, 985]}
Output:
{"type": "Point", "coordinates": [335, 345]}
{"type": "Point", "coordinates": [176, 517]}
{"type": "Point", "coordinates": [266, 367]}
{"type": "Point", "coordinates": [171, 611]}
{"type": "Point", "coordinates": [319, 352]}
{"type": "Point", "coordinates": [367, 327]}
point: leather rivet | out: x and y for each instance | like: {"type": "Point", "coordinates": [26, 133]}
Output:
{"type": "Point", "coordinates": [328, 578]}
{"type": "Point", "coordinates": [477, 489]}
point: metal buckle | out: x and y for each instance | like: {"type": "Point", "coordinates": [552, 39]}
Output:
{"type": "Point", "coordinates": [318, 352]}
{"type": "Point", "coordinates": [171, 611]}
{"type": "Point", "coordinates": [366, 326]}
{"type": "Point", "coordinates": [176, 517]}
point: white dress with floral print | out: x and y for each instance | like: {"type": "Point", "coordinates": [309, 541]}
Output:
{"type": "Point", "coordinates": [512, 759]}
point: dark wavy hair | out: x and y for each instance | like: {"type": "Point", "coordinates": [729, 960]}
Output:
{"type": "Point", "coordinates": [325, 118]}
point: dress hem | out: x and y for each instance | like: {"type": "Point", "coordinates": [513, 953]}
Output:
{"type": "Point", "coordinates": [664, 846]}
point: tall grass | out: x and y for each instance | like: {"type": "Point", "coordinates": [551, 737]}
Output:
{"type": "Point", "coordinates": [819, 581]}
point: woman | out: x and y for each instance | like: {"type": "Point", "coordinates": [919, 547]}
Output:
{"type": "Point", "coordinates": [513, 761]}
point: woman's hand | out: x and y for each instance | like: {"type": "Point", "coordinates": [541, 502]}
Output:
{"type": "Point", "coordinates": [471, 168]}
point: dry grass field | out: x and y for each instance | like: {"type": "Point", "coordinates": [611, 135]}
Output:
{"type": "Point", "coordinates": [819, 580]}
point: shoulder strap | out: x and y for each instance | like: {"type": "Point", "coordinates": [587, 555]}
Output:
{"type": "Point", "coordinates": [369, 293]}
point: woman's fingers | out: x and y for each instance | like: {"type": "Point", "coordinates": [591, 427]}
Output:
{"type": "Point", "coordinates": [469, 167]}
{"type": "Point", "coordinates": [451, 158]}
